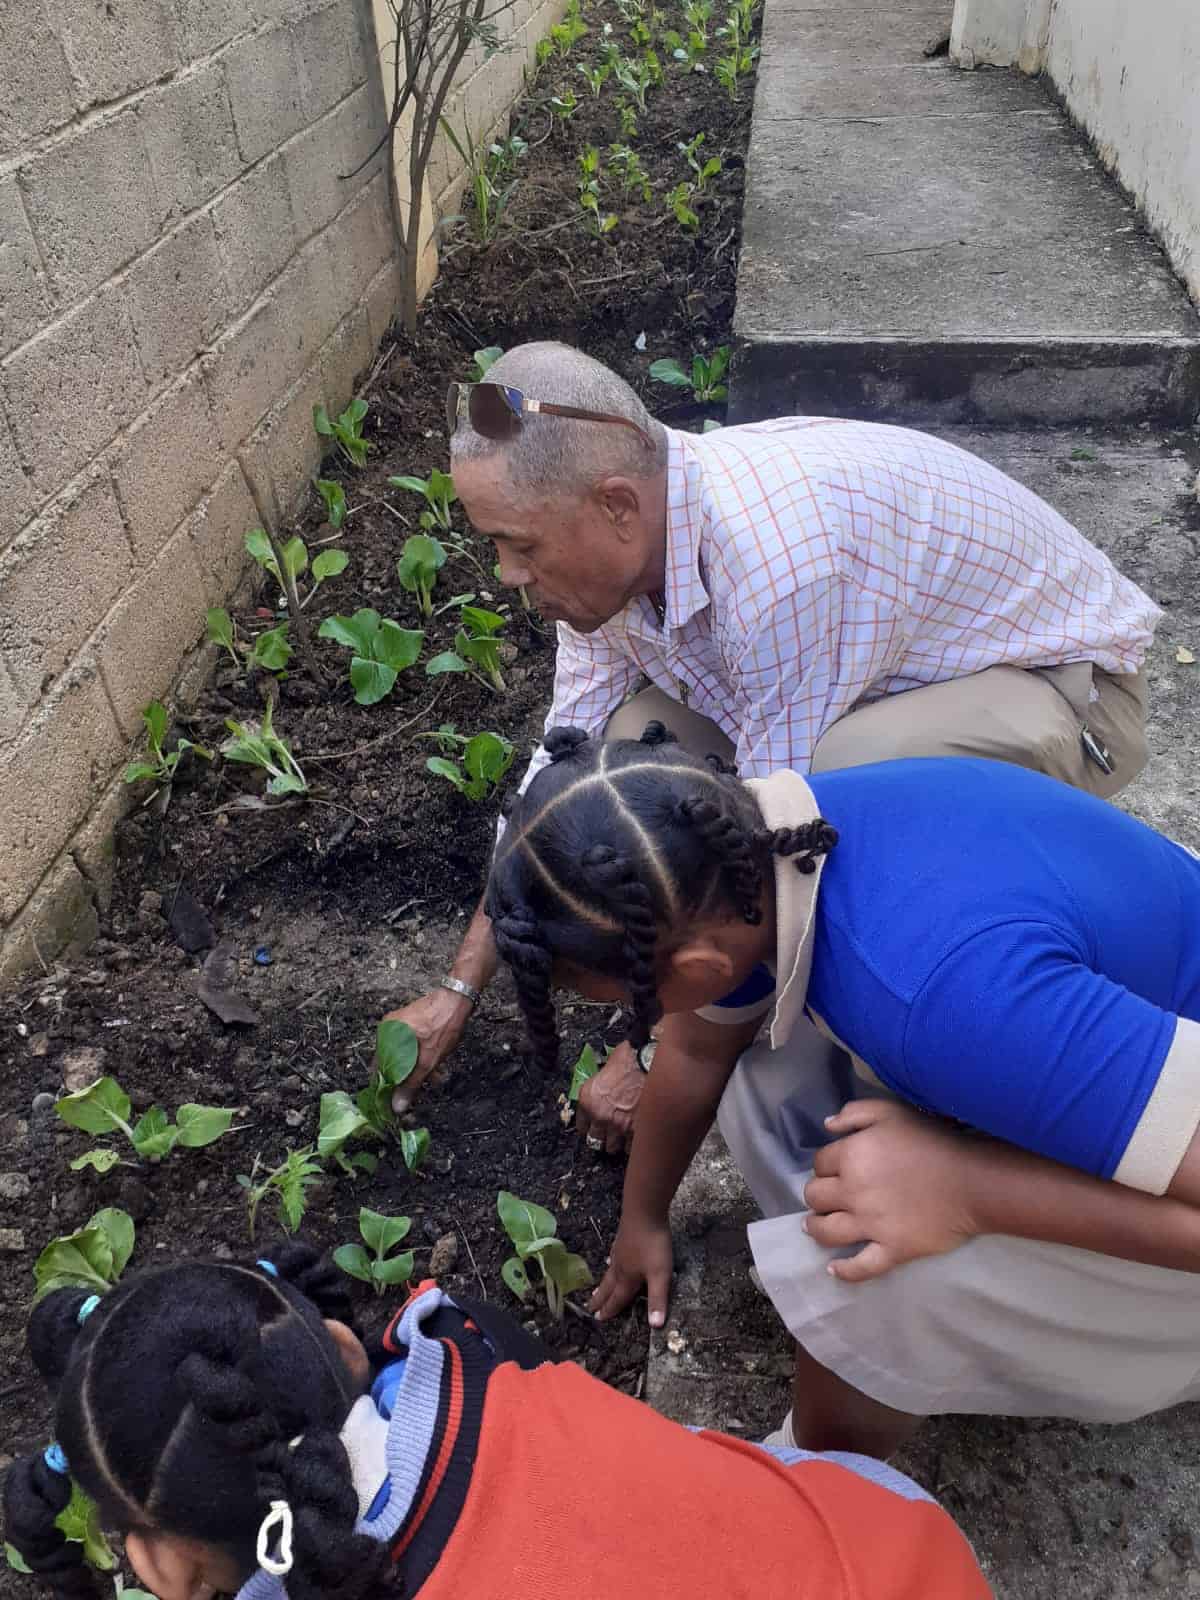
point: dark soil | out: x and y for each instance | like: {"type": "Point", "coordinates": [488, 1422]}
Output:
{"type": "Point", "coordinates": [355, 900]}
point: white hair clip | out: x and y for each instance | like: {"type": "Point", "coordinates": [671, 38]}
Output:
{"type": "Point", "coordinates": [279, 1516]}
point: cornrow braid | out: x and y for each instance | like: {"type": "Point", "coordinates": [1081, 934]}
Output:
{"type": "Point", "coordinates": [521, 947]}
{"type": "Point", "coordinates": [617, 884]}
{"type": "Point", "coordinates": [804, 844]}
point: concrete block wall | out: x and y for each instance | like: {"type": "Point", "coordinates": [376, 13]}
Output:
{"type": "Point", "coordinates": [183, 274]}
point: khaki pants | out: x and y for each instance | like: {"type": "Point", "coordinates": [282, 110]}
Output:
{"type": "Point", "coordinates": [1032, 719]}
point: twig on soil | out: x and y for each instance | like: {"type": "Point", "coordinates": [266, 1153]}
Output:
{"type": "Point", "coordinates": [381, 363]}
{"type": "Point", "coordinates": [578, 1311]}
{"type": "Point", "coordinates": [313, 998]}
{"type": "Point", "coordinates": [361, 749]}
{"type": "Point", "coordinates": [462, 1232]}
{"type": "Point", "coordinates": [340, 834]}
{"type": "Point", "coordinates": [590, 283]}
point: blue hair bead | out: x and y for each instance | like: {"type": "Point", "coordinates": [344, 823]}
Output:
{"type": "Point", "coordinates": [55, 1459]}
{"type": "Point", "coordinates": [269, 1267]}
{"type": "Point", "coordinates": [86, 1309]}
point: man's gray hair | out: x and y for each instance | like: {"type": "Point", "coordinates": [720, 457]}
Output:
{"type": "Point", "coordinates": [560, 453]}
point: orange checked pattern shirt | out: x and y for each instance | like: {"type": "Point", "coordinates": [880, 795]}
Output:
{"type": "Point", "coordinates": [814, 562]}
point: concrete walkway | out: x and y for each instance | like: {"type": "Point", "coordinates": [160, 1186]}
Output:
{"type": "Point", "coordinates": [927, 244]}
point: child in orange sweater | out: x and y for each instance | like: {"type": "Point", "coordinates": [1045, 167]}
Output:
{"type": "Point", "coordinates": [231, 1426]}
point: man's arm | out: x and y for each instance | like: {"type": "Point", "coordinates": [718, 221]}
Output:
{"type": "Point", "coordinates": [692, 1065]}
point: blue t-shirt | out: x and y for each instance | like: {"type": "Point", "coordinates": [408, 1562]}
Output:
{"type": "Point", "coordinates": [1003, 949]}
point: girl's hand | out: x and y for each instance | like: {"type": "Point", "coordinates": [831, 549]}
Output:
{"type": "Point", "coordinates": [641, 1254]}
{"type": "Point", "coordinates": [894, 1181]}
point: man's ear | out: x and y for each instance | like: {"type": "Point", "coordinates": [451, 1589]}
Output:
{"type": "Point", "coordinates": [621, 503]}
{"type": "Point", "coordinates": [170, 1568]}
{"type": "Point", "coordinates": [701, 961]}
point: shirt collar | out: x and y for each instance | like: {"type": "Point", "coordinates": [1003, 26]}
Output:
{"type": "Point", "coordinates": [786, 801]}
{"type": "Point", "coordinates": [684, 592]}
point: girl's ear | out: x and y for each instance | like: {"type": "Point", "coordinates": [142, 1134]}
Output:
{"type": "Point", "coordinates": [350, 1348]}
{"type": "Point", "coordinates": [702, 961]}
{"type": "Point", "coordinates": [171, 1568]}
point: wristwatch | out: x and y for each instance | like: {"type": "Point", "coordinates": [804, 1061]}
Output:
{"type": "Point", "coordinates": [457, 986]}
{"type": "Point", "coordinates": [644, 1055]}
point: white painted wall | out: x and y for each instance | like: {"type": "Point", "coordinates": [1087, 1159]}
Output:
{"type": "Point", "coordinates": [1130, 74]}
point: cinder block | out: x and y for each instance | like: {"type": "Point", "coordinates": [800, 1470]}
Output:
{"type": "Point", "coordinates": [91, 204]}
{"type": "Point", "coordinates": [93, 849]}
{"type": "Point", "coordinates": [255, 231]}
{"type": "Point", "coordinates": [319, 158]}
{"type": "Point", "coordinates": [328, 58]}
{"type": "Point", "coordinates": [38, 93]}
{"type": "Point", "coordinates": [217, 529]}
{"type": "Point", "coordinates": [362, 239]}
{"type": "Point", "coordinates": [22, 292]}
{"type": "Point", "coordinates": [187, 128]}
{"type": "Point", "coordinates": [17, 497]}
{"type": "Point", "coordinates": [166, 462]}
{"type": "Point", "coordinates": [71, 388]}
{"type": "Point", "coordinates": [60, 920]}
{"type": "Point", "coordinates": [383, 301]}
{"type": "Point", "coordinates": [265, 92]}
{"type": "Point", "coordinates": [116, 48]}
{"type": "Point", "coordinates": [209, 24]}
{"type": "Point", "coordinates": [59, 578]}
{"type": "Point", "coordinates": [51, 777]}
{"type": "Point", "coordinates": [347, 355]}
{"type": "Point", "coordinates": [284, 451]}
{"type": "Point", "coordinates": [177, 299]}
{"type": "Point", "coordinates": [156, 622]}
{"type": "Point", "coordinates": [12, 706]}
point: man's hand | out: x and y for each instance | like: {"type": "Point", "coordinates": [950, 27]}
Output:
{"type": "Point", "coordinates": [641, 1254]}
{"type": "Point", "coordinates": [608, 1101]}
{"type": "Point", "coordinates": [438, 1019]}
{"type": "Point", "coordinates": [896, 1182]}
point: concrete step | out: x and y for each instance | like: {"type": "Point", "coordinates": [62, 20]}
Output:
{"type": "Point", "coordinates": [924, 244]}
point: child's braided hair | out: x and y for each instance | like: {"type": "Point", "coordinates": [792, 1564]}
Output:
{"type": "Point", "coordinates": [188, 1401]}
{"type": "Point", "coordinates": [613, 842]}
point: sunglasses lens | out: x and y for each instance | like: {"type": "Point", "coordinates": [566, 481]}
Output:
{"type": "Point", "coordinates": [452, 402]}
{"type": "Point", "coordinates": [493, 414]}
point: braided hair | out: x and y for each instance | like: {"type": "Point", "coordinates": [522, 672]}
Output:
{"type": "Point", "coordinates": [187, 1402]}
{"type": "Point", "coordinates": [612, 844]}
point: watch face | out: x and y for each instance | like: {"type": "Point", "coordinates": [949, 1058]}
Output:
{"type": "Point", "coordinates": [645, 1056]}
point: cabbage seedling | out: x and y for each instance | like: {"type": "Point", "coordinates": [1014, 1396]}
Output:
{"type": "Point", "coordinates": [594, 77]}
{"type": "Point", "coordinates": [334, 496]}
{"type": "Point", "coordinates": [484, 360]}
{"type": "Point", "coordinates": [382, 650]}
{"type": "Point", "coordinates": [565, 105]}
{"type": "Point", "coordinates": [629, 164]}
{"type": "Point", "coordinates": [270, 650]}
{"type": "Point", "coordinates": [533, 1231]}
{"type": "Point", "coordinates": [587, 1066]}
{"type": "Point", "coordinates": [706, 379]}
{"type": "Point", "coordinates": [92, 1258]}
{"type": "Point", "coordinates": [258, 745]}
{"type": "Point", "coordinates": [380, 1235]}
{"type": "Point", "coordinates": [219, 629]}
{"type": "Point", "coordinates": [369, 1112]}
{"type": "Point", "coordinates": [476, 649]}
{"type": "Point", "coordinates": [346, 431]}
{"type": "Point", "coordinates": [486, 757]}
{"type": "Point", "coordinates": [636, 77]}
{"type": "Point", "coordinates": [438, 491]}
{"type": "Point", "coordinates": [679, 203]}
{"type": "Point", "coordinates": [295, 564]}
{"type": "Point", "coordinates": [420, 562]}
{"type": "Point", "coordinates": [704, 170]}
{"type": "Point", "coordinates": [289, 1182]}
{"type": "Point", "coordinates": [104, 1107]}
{"type": "Point", "coordinates": [159, 765]}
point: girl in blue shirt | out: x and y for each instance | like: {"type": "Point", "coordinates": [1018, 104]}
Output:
{"type": "Point", "coordinates": [1001, 952]}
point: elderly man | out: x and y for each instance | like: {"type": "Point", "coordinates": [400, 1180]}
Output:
{"type": "Point", "coordinates": [807, 593]}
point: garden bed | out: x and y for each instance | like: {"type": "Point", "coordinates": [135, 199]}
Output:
{"type": "Point", "coordinates": [345, 904]}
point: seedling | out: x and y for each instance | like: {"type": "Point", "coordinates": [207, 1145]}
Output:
{"type": "Point", "coordinates": [698, 14]}
{"type": "Point", "coordinates": [256, 744]}
{"type": "Point", "coordinates": [334, 498]}
{"type": "Point", "coordinates": [91, 1258]}
{"type": "Point", "coordinates": [1083, 452]}
{"type": "Point", "coordinates": [289, 1183]}
{"type": "Point", "coordinates": [533, 1231]}
{"type": "Point", "coordinates": [438, 492]}
{"type": "Point", "coordinates": [627, 119]}
{"type": "Point", "coordinates": [565, 105]}
{"type": "Point", "coordinates": [633, 174]}
{"type": "Point", "coordinates": [567, 33]}
{"type": "Point", "coordinates": [159, 766]}
{"type": "Point", "coordinates": [329, 564]}
{"type": "Point", "coordinates": [380, 1235]}
{"type": "Point", "coordinates": [689, 51]}
{"type": "Point", "coordinates": [369, 1113]}
{"type": "Point", "coordinates": [476, 649]}
{"type": "Point", "coordinates": [381, 651]}
{"type": "Point", "coordinates": [679, 203]}
{"type": "Point", "coordinates": [587, 1066]}
{"type": "Point", "coordinates": [104, 1107]}
{"type": "Point", "coordinates": [220, 629]}
{"type": "Point", "coordinates": [706, 379]}
{"type": "Point", "coordinates": [733, 67]}
{"type": "Point", "coordinates": [594, 77]}
{"type": "Point", "coordinates": [599, 222]}
{"type": "Point", "coordinates": [484, 361]}
{"type": "Point", "coordinates": [346, 431]}
{"type": "Point", "coordinates": [486, 757]}
{"type": "Point", "coordinates": [420, 562]}
{"type": "Point", "coordinates": [640, 35]}
{"type": "Point", "coordinates": [414, 1147]}
{"type": "Point", "coordinates": [543, 51]}
{"type": "Point", "coordinates": [635, 77]}
{"type": "Point", "coordinates": [704, 170]}
{"type": "Point", "coordinates": [489, 190]}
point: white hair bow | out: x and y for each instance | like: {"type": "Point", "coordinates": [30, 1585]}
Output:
{"type": "Point", "coordinates": [279, 1516]}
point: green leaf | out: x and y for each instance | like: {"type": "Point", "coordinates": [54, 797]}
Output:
{"type": "Point", "coordinates": [271, 649]}
{"type": "Point", "coordinates": [141, 772]}
{"type": "Point", "coordinates": [155, 717]}
{"type": "Point", "coordinates": [482, 623]}
{"type": "Point", "coordinates": [487, 758]}
{"type": "Point", "coordinates": [382, 1233]}
{"type": "Point", "coordinates": [441, 487]}
{"type": "Point", "coordinates": [17, 1561]}
{"type": "Point", "coordinates": [322, 423]}
{"type": "Point", "coordinates": [259, 546]}
{"type": "Point", "coordinates": [154, 1135]}
{"type": "Point", "coordinates": [570, 1272]}
{"type": "Point", "coordinates": [80, 1523]}
{"type": "Point", "coordinates": [420, 561]}
{"type": "Point", "coordinates": [375, 1103]}
{"type": "Point", "coordinates": [372, 680]}
{"type": "Point", "coordinates": [669, 371]}
{"type": "Point", "coordinates": [329, 564]}
{"type": "Point", "coordinates": [441, 768]}
{"type": "Point", "coordinates": [398, 647]}
{"type": "Point", "coordinates": [341, 1120]}
{"type": "Point", "coordinates": [586, 1067]}
{"type": "Point", "coordinates": [486, 359]}
{"type": "Point", "coordinates": [355, 413]}
{"type": "Point", "coordinates": [334, 496]}
{"type": "Point", "coordinates": [103, 1160]}
{"type": "Point", "coordinates": [100, 1108]}
{"type": "Point", "coordinates": [414, 1146]}
{"type": "Point", "coordinates": [398, 1269]}
{"type": "Point", "coordinates": [516, 1277]}
{"type": "Point", "coordinates": [201, 1125]}
{"type": "Point", "coordinates": [448, 661]}
{"type": "Point", "coordinates": [288, 783]}
{"type": "Point", "coordinates": [80, 1260]}
{"type": "Point", "coordinates": [117, 1227]}
{"type": "Point", "coordinates": [396, 1051]}
{"type": "Point", "coordinates": [354, 1261]}
{"type": "Point", "coordinates": [522, 1220]}
{"type": "Point", "coordinates": [295, 558]}
{"type": "Point", "coordinates": [357, 633]}
{"type": "Point", "coordinates": [220, 627]}
{"type": "Point", "coordinates": [413, 485]}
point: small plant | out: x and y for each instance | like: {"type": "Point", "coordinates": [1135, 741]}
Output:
{"type": "Point", "coordinates": [533, 1231]}
{"type": "Point", "coordinates": [565, 35]}
{"type": "Point", "coordinates": [492, 184]}
{"type": "Point", "coordinates": [476, 649]}
{"type": "Point", "coordinates": [640, 35]}
{"type": "Point", "coordinates": [633, 174]}
{"type": "Point", "coordinates": [92, 1258]}
{"type": "Point", "coordinates": [599, 222]}
{"type": "Point", "coordinates": [380, 1235]}
{"type": "Point", "coordinates": [104, 1107]}
{"type": "Point", "coordinates": [159, 766]}
{"type": "Point", "coordinates": [679, 203]}
{"type": "Point", "coordinates": [219, 629]}
{"type": "Point", "coordinates": [698, 14]}
{"type": "Point", "coordinates": [486, 757]}
{"type": "Point", "coordinates": [329, 564]}
{"type": "Point", "coordinates": [438, 492]}
{"type": "Point", "coordinates": [543, 51]}
{"type": "Point", "coordinates": [731, 68]}
{"type": "Point", "coordinates": [704, 170]}
{"type": "Point", "coordinates": [628, 120]}
{"type": "Point", "coordinates": [334, 499]}
{"type": "Point", "coordinates": [346, 431]}
{"type": "Point", "coordinates": [414, 1147]}
{"type": "Point", "coordinates": [483, 363]}
{"type": "Point", "coordinates": [689, 51]}
{"type": "Point", "coordinates": [289, 1183]}
{"type": "Point", "coordinates": [706, 379]}
{"type": "Point", "coordinates": [594, 77]}
{"type": "Point", "coordinates": [369, 1113]}
{"type": "Point", "coordinates": [420, 562]}
{"type": "Point", "coordinates": [1083, 452]}
{"type": "Point", "coordinates": [270, 650]}
{"type": "Point", "coordinates": [381, 651]}
{"type": "Point", "coordinates": [636, 78]}
{"type": "Point", "coordinates": [587, 1066]}
{"type": "Point", "coordinates": [564, 105]}
{"type": "Point", "coordinates": [256, 744]}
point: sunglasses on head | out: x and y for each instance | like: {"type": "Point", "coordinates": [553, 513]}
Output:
{"type": "Point", "coordinates": [497, 410]}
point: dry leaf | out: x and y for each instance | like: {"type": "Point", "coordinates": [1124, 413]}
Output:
{"type": "Point", "coordinates": [1184, 656]}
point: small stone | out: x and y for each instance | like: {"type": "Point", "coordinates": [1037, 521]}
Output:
{"type": "Point", "coordinates": [39, 1044]}
{"type": "Point", "coordinates": [294, 1119]}
{"type": "Point", "coordinates": [14, 1186]}
{"type": "Point", "coordinates": [223, 1253]}
{"type": "Point", "coordinates": [1163, 1572]}
{"type": "Point", "coordinates": [81, 1067]}
{"type": "Point", "coordinates": [444, 1256]}
{"type": "Point", "coordinates": [11, 1239]}
{"type": "Point", "coordinates": [13, 1130]}
{"type": "Point", "coordinates": [42, 1104]}
{"type": "Point", "coordinates": [432, 1229]}
{"type": "Point", "coordinates": [202, 1186]}
{"type": "Point", "coordinates": [676, 1343]}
